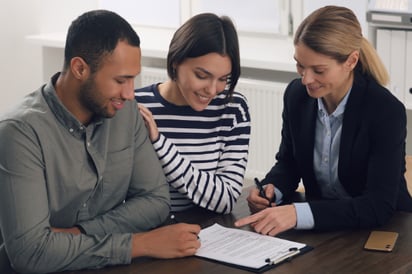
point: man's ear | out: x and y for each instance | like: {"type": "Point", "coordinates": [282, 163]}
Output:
{"type": "Point", "coordinates": [352, 60]}
{"type": "Point", "coordinates": [80, 69]}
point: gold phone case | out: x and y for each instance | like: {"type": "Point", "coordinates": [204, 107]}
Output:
{"type": "Point", "coordinates": [381, 241]}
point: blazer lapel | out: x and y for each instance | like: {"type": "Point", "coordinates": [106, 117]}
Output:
{"type": "Point", "coordinates": [351, 123]}
{"type": "Point", "coordinates": [307, 134]}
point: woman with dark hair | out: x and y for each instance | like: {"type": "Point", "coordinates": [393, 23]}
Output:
{"type": "Point", "coordinates": [198, 124]}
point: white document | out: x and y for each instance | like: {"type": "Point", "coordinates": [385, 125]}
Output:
{"type": "Point", "coordinates": [241, 247]}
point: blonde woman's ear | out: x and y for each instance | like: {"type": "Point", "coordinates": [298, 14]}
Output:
{"type": "Point", "coordinates": [352, 60]}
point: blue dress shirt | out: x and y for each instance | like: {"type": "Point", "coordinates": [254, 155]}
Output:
{"type": "Point", "coordinates": [325, 162]}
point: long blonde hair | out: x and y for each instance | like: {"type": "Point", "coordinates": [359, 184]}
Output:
{"type": "Point", "coordinates": [335, 32]}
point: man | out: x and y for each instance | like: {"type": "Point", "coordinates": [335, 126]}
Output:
{"type": "Point", "coordinates": [80, 181]}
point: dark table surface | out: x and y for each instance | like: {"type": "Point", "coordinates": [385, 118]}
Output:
{"type": "Point", "coordinates": [334, 252]}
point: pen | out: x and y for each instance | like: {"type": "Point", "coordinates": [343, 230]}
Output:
{"type": "Point", "coordinates": [262, 191]}
{"type": "Point", "coordinates": [175, 221]}
{"type": "Point", "coordinates": [288, 256]}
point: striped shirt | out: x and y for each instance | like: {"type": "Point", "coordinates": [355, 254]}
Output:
{"type": "Point", "coordinates": [203, 153]}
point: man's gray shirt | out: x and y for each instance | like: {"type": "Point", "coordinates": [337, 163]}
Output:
{"type": "Point", "coordinates": [55, 172]}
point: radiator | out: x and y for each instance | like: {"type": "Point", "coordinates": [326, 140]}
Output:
{"type": "Point", "coordinates": [265, 99]}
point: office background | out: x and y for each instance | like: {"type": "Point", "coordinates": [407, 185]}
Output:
{"type": "Point", "coordinates": [22, 61]}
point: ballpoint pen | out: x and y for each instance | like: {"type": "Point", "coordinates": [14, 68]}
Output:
{"type": "Point", "coordinates": [174, 220]}
{"type": "Point", "coordinates": [262, 191]}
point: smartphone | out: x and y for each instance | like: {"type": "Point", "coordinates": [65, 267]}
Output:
{"type": "Point", "coordinates": [381, 241]}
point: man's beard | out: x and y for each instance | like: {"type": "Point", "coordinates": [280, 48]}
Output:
{"type": "Point", "coordinates": [91, 100]}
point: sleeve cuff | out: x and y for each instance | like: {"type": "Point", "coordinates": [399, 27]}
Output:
{"type": "Point", "coordinates": [158, 143]}
{"type": "Point", "coordinates": [304, 216]}
{"type": "Point", "coordinates": [278, 196]}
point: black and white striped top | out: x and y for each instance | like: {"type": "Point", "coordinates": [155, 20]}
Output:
{"type": "Point", "coordinates": [203, 153]}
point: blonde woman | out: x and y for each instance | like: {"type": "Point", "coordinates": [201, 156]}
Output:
{"type": "Point", "coordinates": [336, 138]}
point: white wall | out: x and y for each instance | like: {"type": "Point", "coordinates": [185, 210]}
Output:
{"type": "Point", "coordinates": [19, 67]}
{"type": "Point", "coordinates": [21, 61]}
{"type": "Point", "coordinates": [359, 7]}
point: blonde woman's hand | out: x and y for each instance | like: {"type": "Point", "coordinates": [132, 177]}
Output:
{"type": "Point", "coordinates": [272, 220]}
{"type": "Point", "coordinates": [257, 203]}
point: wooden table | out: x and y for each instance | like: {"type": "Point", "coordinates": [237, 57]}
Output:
{"type": "Point", "coordinates": [334, 252]}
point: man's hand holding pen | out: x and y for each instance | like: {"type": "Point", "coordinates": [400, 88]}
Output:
{"type": "Point", "coordinates": [174, 220]}
{"type": "Point", "coordinates": [261, 197]}
{"type": "Point", "coordinates": [170, 241]}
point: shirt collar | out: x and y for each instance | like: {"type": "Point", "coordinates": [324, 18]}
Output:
{"type": "Point", "coordinates": [339, 110]}
{"type": "Point", "coordinates": [61, 113]}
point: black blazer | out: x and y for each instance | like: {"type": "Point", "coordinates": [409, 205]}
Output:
{"type": "Point", "coordinates": [371, 157]}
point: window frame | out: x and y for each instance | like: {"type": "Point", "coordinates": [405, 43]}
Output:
{"type": "Point", "coordinates": [290, 12]}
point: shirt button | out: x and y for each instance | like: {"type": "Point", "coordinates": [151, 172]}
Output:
{"type": "Point", "coordinates": [84, 205]}
{"type": "Point", "coordinates": [71, 130]}
{"type": "Point", "coordinates": [81, 128]}
{"type": "Point", "coordinates": [88, 144]}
